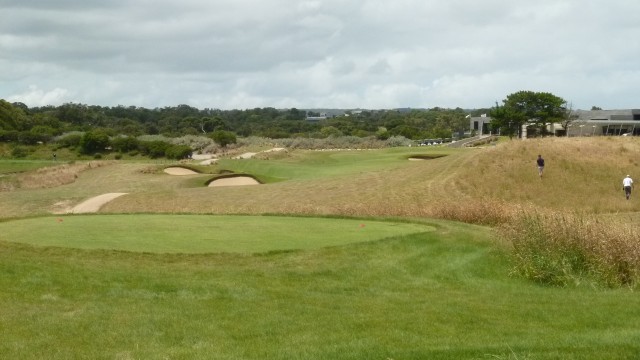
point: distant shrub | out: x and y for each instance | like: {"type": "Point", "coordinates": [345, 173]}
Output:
{"type": "Point", "coordinates": [124, 143]}
{"type": "Point", "coordinates": [396, 141]}
{"type": "Point", "coordinates": [19, 152]}
{"type": "Point", "coordinates": [153, 149]}
{"type": "Point", "coordinates": [195, 142]}
{"type": "Point", "coordinates": [8, 135]}
{"type": "Point", "coordinates": [178, 152]}
{"type": "Point", "coordinates": [224, 138]}
{"type": "Point", "coordinates": [70, 141]}
{"type": "Point", "coordinates": [150, 138]}
{"type": "Point", "coordinates": [94, 142]}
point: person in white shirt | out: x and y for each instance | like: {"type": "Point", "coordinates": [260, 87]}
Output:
{"type": "Point", "coordinates": [627, 185]}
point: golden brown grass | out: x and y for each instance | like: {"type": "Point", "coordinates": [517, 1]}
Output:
{"type": "Point", "coordinates": [580, 173]}
{"type": "Point", "coordinates": [52, 176]}
{"type": "Point", "coordinates": [560, 248]}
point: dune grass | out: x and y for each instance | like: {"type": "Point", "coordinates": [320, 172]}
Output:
{"type": "Point", "coordinates": [200, 233]}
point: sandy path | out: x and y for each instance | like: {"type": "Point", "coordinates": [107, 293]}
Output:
{"type": "Point", "coordinates": [249, 155]}
{"type": "Point", "coordinates": [95, 203]}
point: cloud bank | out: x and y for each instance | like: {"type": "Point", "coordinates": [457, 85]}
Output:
{"type": "Point", "coordinates": [311, 54]}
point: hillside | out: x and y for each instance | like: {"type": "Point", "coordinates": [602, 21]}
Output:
{"type": "Point", "coordinates": [581, 174]}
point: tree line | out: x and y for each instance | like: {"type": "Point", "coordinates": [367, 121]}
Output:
{"type": "Point", "coordinates": [22, 124]}
{"type": "Point", "coordinates": [92, 128]}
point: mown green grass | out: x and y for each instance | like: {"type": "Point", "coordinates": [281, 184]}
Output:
{"type": "Point", "coordinates": [304, 165]}
{"type": "Point", "coordinates": [199, 233]}
{"type": "Point", "coordinates": [442, 294]}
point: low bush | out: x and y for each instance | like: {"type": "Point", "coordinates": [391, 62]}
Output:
{"type": "Point", "coordinates": [19, 152]}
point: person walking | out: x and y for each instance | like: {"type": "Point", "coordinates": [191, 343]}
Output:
{"type": "Point", "coordinates": [627, 185]}
{"type": "Point", "coordinates": [540, 163]}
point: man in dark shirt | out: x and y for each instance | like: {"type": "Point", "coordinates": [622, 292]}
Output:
{"type": "Point", "coordinates": [540, 163]}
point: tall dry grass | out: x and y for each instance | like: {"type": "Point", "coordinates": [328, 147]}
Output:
{"type": "Point", "coordinates": [52, 176]}
{"type": "Point", "coordinates": [581, 173]}
{"type": "Point", "coordinates": [569, 248]}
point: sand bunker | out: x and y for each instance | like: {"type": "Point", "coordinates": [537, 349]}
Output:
{"type": "Point", "coordinates": [425, 157]}
{"type": "Point", "coordinates": [176, 170]}
{"type": "Point", "coordinates": [234, 181]}
{"type": "Point", "coordinates": [95, 203]}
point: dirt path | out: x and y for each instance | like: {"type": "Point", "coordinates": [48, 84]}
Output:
{"type": "Point", "coordinates": [95, 203]}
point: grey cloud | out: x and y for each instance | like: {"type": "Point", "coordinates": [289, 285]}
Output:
{"type": "Point", "coordinates": [317, 52]}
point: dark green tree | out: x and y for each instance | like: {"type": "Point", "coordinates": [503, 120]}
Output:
{"type": "Point", "coordinates": [223, 138]}
{"type": "Point", "coordinates": [95, 141]}
{"type": "Point", "coordinates": [124, 144]}
{"type": "Point", "coordinates": [178, 152]}
{"type": "Point", "coordinates": [535, 109]}
{"type": "Point", "coordinates": [11, 117]}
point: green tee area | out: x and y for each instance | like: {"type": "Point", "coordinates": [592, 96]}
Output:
{"type": "Point", "coordinates": [199, 233]}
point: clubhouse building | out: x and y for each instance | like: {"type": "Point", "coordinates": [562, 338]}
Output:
{"type": "Point", "coordinates": [585, 123]}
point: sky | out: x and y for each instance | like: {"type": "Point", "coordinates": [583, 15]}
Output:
{"type": "Point", "coordinates": [309, 54]}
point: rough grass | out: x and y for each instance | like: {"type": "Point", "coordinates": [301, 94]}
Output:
{"type": "Point", "coordinates": [567, 248]}
{"type": "Point", "coordinates": [50, 176]}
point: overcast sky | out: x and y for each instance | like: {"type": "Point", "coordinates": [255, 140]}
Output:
{"type": "Point", "coordinates": [376, 54]}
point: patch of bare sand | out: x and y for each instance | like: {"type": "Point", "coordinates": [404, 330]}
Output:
{"type": "Point", "coordinates": [176, 170]}
{"type": "Point", "coordinates": [274, 150]}
{"type": "Point", "coordinates": [95, 203]}
{"type": "Point", "coordinates": [234, 181]}
{"type": "Point", "coordinates": [249, 155]}
{"type": "Point", "coordinates": [208, 162]}
{"type": "Point", "coordinates": [202, 156]}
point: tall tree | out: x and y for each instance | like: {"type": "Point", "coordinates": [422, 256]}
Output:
{"type": "Point", "coordinates": [528, 107]}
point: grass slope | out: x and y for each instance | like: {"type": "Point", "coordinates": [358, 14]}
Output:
{"type": "Point", "coordinates": [443, 294]}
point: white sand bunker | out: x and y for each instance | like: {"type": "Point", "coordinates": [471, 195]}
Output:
{"type": "Point", "coordinates": [176, 170]}
{"type": "Point", "coordinates": [95, 203]}
{"type": "Point", "coordinates": [234, 181]}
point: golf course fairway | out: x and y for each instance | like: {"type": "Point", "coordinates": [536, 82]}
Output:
{"type": "Point", "coordinates": [199, 233]}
